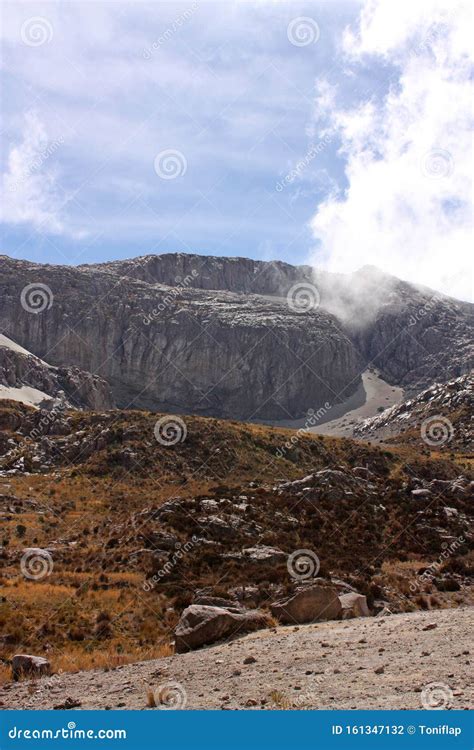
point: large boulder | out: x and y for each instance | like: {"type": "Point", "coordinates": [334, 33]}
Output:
{"type": "Point", "coordinates": [353, 605]}
{"type": "Point", "coordinates": [307, 605]}
{"type": "Point", "coordinates": [25, 665]}
{"type": "Point", "coordinates": [201, 624]}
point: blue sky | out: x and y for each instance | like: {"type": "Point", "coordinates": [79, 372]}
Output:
{"type": "Point", "coordinates": [239, 92]}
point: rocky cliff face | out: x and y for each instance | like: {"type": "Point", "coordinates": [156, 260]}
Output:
{"type": "Point", "coordinates": [217, 336]}
{"type": "Point", "coordinates": [412, 334]}
{"type": "Point", "coordinates": [27, 378]}
{"type": "Point", "coordinates": [240, 275]}
{"type": "Point", "coordinates": [181, 349]}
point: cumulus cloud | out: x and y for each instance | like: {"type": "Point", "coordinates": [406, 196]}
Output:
{"type": "Point", "coordinates": [30, 193]}
{"type": "Point", "coordinates": [406, 207]}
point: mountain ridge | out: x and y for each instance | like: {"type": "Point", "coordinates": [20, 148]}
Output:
{"type": "Point", "coordinates": [185, 333]}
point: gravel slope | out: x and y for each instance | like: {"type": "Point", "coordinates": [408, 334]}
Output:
{"type": "Point", "coordinates": [374, 663]}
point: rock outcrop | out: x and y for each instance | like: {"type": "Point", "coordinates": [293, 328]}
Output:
{"type": "Point", "coordinates": [354, 605]}
{"type": "Point", "coordinates": [201, 624]}
{"type": "Point", "coordinates": [180, 349]}
{"type": "Point", "coordinates": [26, 665]}
{"type": "Point", "coordinates": [309, 604]}
{"type": "Point", "coordinates": [441, 415]}
{"type": "Point", "coordinates": [27, 378]}
{"type": "Point", "coordinates": [410, 333]}
{"type": "Point", "coordinates": [217, 336]}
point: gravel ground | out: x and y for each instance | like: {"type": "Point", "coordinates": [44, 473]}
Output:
{"type": "Point", "coordinates": [385, 662]}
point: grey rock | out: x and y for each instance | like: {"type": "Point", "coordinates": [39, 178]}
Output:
{"type": "Point", "coordinates": [310, 604]}
{"type": "Point", "coordinates": [251, 357]}
{"type": "Point", "coordinates": [200, 625]}
{"type": "Point", "coordinates": [26, 665]}
{"type": "Point", "coordinates": [237, 348]}
{"type": "Point", "coordinates": [354, 605]}
{"type": "Point", "coordinates": [64, 387]}
{"type": "Point", "coordinates": [262, 554]}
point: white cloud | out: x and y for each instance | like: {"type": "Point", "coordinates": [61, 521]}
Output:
{"type": "Point", "coordinates": [408, 155]}
{"type": "Point", "coordinates": [29, 184]}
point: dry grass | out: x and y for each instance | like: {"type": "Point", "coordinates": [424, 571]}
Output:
{"type": "Point", "coordinates": [78, 510]}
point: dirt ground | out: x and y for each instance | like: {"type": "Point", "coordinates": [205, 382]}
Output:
{"type": "Point", "coordinates": [372, 395]}
{"type": "Point", "coordinates": [406, 661]}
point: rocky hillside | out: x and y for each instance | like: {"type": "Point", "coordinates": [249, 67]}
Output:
{"type": "Point", "coordinates": [183, 350]}
{"type": "Point", "coordinates": [407, 331]}
{"type": "Point", "coordinates": [114, 523]}
{"type": "Point", "coordinates": [442, 416]}
{"type": "Point", "coordinates": [233, 337]}
{"type": "Point", "coordinates": [28, 379]}
{"type": "Point", "coordinates": [413, 661]}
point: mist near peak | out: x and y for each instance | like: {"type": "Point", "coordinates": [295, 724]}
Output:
{"type": "Point", "coordinates": [408, 162]}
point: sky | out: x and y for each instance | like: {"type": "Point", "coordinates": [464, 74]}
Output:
{"type": "Point", "coordinates": [331, 133]}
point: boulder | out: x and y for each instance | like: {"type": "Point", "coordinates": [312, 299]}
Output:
{"type": "Point", "coordinates": [217, 601]}
{"type": "Point", "coordinates": [263, 554]}
{"type": "Point", "coordinates": [25, 665]}
{"type": "Point", "coordinates": [307, 605]}
{"type": "Point", "coordinates": [200, 625]}
{"type": "Point", "coordinates": [354, 605]}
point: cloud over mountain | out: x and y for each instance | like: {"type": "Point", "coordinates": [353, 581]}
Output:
{"type": "Point", "coordinates": [406, 207]}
